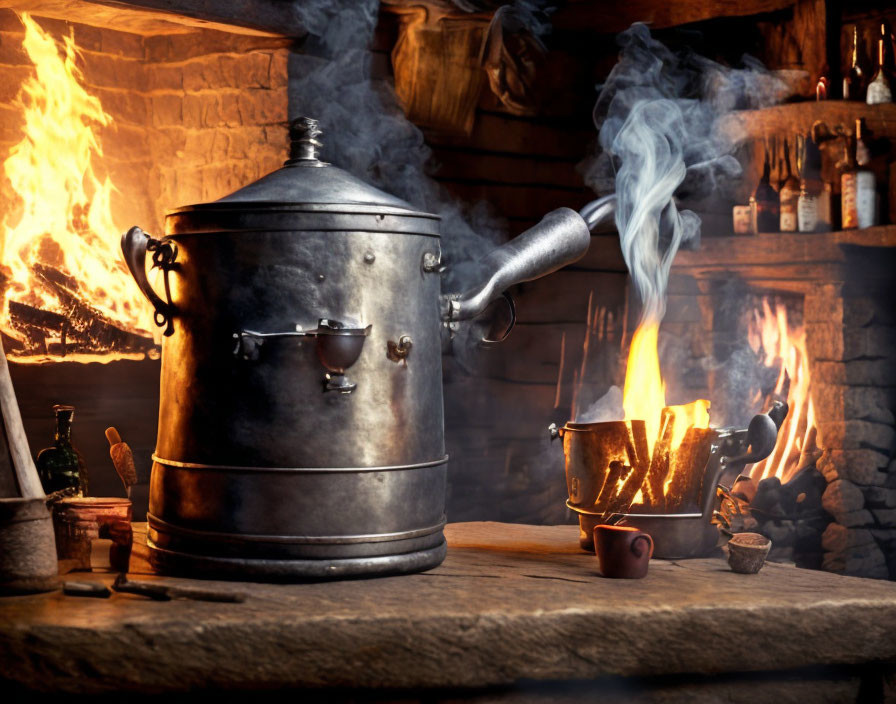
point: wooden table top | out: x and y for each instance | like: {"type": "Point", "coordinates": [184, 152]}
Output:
{"type": "Point", "coordinates": [510, 602]}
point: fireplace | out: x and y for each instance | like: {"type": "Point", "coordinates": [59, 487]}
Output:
{"type": "Point", "coordinates": [840, 291]}
{"type": "Point", "coordinates": [198, 108]}
{"type": "Point", "coordinates": [167, 110]}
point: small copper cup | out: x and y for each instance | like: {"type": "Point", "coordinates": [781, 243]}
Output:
{"type": "Point", "coordinates": [623, 551]}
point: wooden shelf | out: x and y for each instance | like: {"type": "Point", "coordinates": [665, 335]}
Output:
{"type": "Point", "coordinates": [799, 117]}
{"type": "Point", "coordinates": [784, 261]}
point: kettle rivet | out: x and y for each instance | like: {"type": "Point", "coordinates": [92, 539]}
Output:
{"type": "Point", "coordinates": [369, 258]}
{"type": "Point", "coordinates": [321, 277]}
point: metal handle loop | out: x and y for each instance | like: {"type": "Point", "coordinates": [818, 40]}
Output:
{"type": "Point", "coordinates": [134, 245]}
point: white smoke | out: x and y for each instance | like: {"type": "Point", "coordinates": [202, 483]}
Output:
{"type": "Point", "coordinates": [608, 407]}
{"type": "Point", "coordinates": [658, 116]}
{"type": "Point", "coordinates": [366, 131]}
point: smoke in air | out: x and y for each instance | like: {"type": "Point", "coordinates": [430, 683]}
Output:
{"type": "Point", "coordinates": [661, 145]}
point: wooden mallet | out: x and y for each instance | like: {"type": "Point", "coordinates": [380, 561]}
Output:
{"type": "Point", "coordinates": [122, 458]}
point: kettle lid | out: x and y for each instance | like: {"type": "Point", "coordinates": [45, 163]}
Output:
{"type": "Point", "coordinates": [306, 180]}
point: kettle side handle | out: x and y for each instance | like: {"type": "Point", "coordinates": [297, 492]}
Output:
{"type": "Point", "coordinates": [134, 245]}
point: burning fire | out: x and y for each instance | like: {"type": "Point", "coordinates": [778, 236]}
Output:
{"type": "Point", "coordinates": [644, 393]}
{"type": "Point", "coordinates": [66, 287]}
{"type": "Point", "coordinates": [779, 343]}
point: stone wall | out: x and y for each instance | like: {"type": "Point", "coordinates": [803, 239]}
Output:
{"type": "Point", "coordinates": [851, 336]}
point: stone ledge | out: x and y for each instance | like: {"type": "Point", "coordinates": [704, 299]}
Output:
{"type": "Point", "coordinates": [510, 603]}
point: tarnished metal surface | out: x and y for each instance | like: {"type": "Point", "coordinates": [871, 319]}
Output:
{"type": "Point", "coordinates": [272, 411]}
{"type": "Point", "coordinates": [301, 423]}
{"type": "Point", "coordinates": [559, 239]}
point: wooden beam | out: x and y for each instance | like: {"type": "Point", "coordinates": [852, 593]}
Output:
{"type": "Point", "coordinates": [269, 18]}
{"type": "Point", "coordinates": [609, 16]}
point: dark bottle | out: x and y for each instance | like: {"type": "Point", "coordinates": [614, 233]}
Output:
{"type": "Point", "coordinates": [880, 89]}
{"type": "Point", "coordinates": [854, 81]}
{"type": "Point", "coordinates": [60, 467]}
{"type": "Point", "coordinates": [789, 193]}
{"type": "Point", "coordinates": [814, 205]}
{"type": "Point", "coordinates": [764, 204]}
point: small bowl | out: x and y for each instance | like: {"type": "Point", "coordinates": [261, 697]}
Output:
{"type": "Point", "coordinates": [747, 552]}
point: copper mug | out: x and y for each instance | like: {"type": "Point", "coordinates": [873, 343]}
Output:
{"type": "Point", "coordinates": [623, 551]}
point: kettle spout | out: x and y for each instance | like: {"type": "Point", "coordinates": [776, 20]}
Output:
{"type": "Point", "coordinates": [600, 214]}
{"type": "Point", "coordinates": [561, 238]}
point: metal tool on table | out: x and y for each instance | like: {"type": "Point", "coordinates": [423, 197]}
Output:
{"type": "Point", "coordinates": [160, 591]}
{"type": "Point", "coordinates": [301, 424]}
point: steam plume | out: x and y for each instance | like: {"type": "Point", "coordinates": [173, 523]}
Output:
{"type": "Point", "coordinates": [658, 118]}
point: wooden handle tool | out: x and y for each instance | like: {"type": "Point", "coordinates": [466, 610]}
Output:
{"type": "Point", "coordinates": [162, 591]}
{"type": "Point", "coordinates": [122, 458]}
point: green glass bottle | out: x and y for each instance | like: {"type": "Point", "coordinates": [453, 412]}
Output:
{"type": "Point", "coordinates": [61, 467]}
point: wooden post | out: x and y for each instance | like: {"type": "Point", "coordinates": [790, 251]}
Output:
{"type": "Point", "coordinates": [27, 546]}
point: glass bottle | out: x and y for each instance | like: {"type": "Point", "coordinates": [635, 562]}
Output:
{"type": "Point", "coordinates": [854, 80]}
{"type": "Point", "coordinates": [880, 89]}
{"type": "Point", "coordinates": [61, 467]}
{"type": "Point", "coordinates": [866, 187]}
{"type": "Point", "coordinates": [814, 205]}
{"type": "Point", "coordinates": [764, 204]}
{"type": "Point", "coordinates": [789, 194]}
{"type": "Point", "coordinates": [857, 183]}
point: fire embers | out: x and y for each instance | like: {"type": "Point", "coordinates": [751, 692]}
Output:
{"type": "Point", "coordinates": [610, 467]}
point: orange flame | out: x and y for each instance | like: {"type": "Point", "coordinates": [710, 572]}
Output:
{"type": "Point", "coordinates": [62, 218]}
{"type": "Point", "coordinates": [778, 342]}
{"type": "Point", "coordinates": [644, 393]}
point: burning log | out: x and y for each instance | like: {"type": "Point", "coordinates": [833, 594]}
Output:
{"type": "Point", "coordinates": [80, 327]}
{"type": "Point", "coordinates": [686, 471]}
{"type": "Point", "coordinates": [654, 495]}
{"type": "Point", "coordinates": [637, 448]}
{"type": "Point", "coordinates": [615, 472]}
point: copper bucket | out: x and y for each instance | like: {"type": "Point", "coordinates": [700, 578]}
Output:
{"type": "Point", "coordinates": [598, 456]}
{"type": "Point", "coordinates": [608, 464]}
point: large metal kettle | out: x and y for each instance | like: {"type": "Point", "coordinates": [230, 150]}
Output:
{"type": "Point", "coordinates": [301, 423]}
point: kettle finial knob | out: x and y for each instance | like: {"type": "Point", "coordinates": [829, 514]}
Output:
{"type": "Point", "coordinates": [304, 142]}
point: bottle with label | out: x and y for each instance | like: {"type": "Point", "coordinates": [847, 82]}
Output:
{"type": "Point", "coordinates": [858, 184]}
{"type": "Point", "coordinates": [880, 89]}
{"type": "Point", "coordinates": [764, 203]}
{"type": "Point", "coordinates": [854, 80]}
{"type": "Point", "coordinates": [61, 467]}
{"type": "Point", "coordinates": [789, 193]}
{"type": "Point", "coordinates": [810, 187]}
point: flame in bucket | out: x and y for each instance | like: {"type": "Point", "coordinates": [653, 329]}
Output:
{"type": "Point", "coordinates": [59, 243]}
{"type": "Point", "coordinates": [644, 393]}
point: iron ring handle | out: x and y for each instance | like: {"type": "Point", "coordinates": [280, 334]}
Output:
{"type": "Point", "coordinates": [134, 245]}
